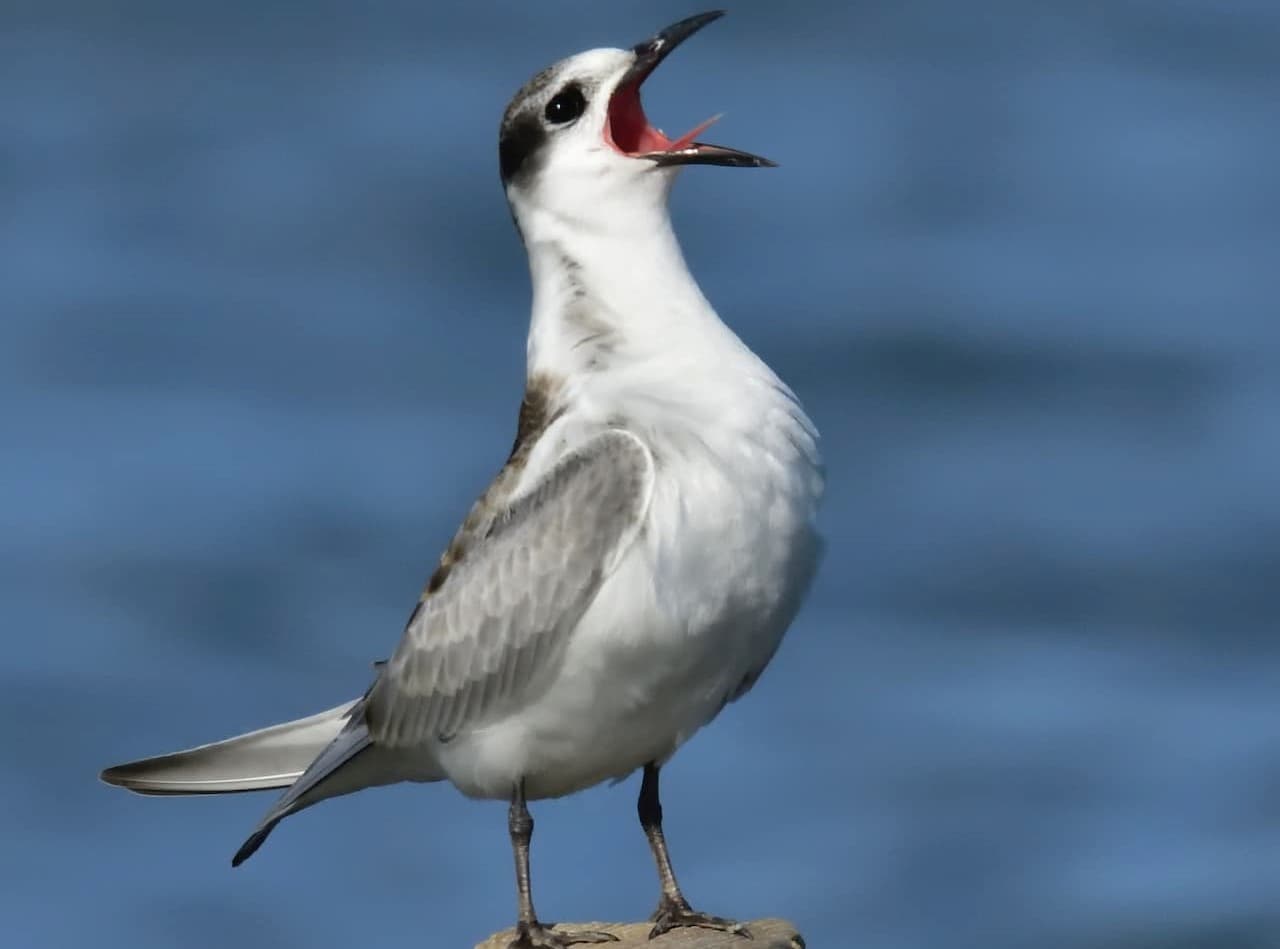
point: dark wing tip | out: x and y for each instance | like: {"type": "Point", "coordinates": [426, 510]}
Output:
{"type": "Point", "coordinates": [250, 846]}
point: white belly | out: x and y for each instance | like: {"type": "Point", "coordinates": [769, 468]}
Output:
{"type": "Point", "coordinates": [687, 620]}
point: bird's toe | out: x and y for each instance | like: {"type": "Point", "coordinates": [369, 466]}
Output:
{"type": "Point", "coordinates": [540, 936]}
{"type": "Point", "coordinates": [673, 914]}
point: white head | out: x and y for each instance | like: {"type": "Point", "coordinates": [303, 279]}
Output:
{"type": "Point", "coordinates": [576, 149]}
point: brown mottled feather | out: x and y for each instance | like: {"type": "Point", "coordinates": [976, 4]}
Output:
{"type": "Point", "coordinates": [537, 412]}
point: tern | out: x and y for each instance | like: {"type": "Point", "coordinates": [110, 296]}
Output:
{"type": "Point", "coordinates": [632, 568]}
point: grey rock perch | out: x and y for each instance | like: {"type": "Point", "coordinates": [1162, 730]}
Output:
{"type": "Point", "coordinates": [766, 934]}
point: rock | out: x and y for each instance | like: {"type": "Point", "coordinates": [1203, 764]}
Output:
{"type": "Point", "coordinates": [766, 934]}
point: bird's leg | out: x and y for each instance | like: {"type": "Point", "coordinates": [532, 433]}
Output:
{"type": "Point", "coordinates": [531, 934]}
{"type": "Point", "coordinates": [673, 909]}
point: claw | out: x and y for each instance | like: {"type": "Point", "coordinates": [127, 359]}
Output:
{"type": "Point", "coordinates": [678, 915]}
{"type": "Point", "coordinates": [538, 936]}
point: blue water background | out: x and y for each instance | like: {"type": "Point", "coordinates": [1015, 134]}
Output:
{"type": "Point", "coordinates": [261, 342]}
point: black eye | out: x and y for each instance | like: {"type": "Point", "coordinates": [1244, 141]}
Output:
{"type": "Point", "coordinates": [567, 105]}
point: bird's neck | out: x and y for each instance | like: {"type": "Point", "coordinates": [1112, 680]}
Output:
{"type": "Point", "coordinates": [621, 331]}
{"type": "Point", "coordinates": [604, 296]}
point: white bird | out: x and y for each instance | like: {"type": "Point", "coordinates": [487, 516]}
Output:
{"type": "Point", "coordinates": [632, 568]}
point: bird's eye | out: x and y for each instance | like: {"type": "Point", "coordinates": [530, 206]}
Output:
{"type": "Point", "coordinates": [566, 106]}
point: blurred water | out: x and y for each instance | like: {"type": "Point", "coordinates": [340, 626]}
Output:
{"type": "Point", "coordinates": [262, 340]}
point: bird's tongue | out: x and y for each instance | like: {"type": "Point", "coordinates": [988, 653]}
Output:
{"type": "Point", "coordinates": [685, 140]}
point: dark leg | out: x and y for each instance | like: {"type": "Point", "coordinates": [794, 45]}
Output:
{"type": "Point", "coordinates": [531, 934]}
{"type": "Point", "coordinates": [673, 909]}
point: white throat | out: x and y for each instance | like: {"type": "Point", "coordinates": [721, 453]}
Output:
{"type": "Point", "coordinates": [614, 293]}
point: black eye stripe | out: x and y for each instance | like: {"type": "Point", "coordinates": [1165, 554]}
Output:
{"type": "Point", "coordinates": [527, 128]}
{"type": "Point", "coordinates": [521, 139]}
{"type": "Point", "coordinates": [566, 105]}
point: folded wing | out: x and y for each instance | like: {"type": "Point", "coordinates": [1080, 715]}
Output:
{"type": "Point", "coordinates": [506, 609]}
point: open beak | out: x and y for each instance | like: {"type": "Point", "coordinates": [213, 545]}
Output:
{"type": "Point", "coordinates": [628, 130]}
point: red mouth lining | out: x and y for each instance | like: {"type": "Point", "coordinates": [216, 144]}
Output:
{"type": "Point", "coordinates": [628, 130]}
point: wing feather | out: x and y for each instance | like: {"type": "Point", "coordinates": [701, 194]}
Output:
{"type": "Point", "coordinates": [508, 606]}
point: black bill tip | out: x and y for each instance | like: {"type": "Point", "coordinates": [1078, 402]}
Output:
{"type": "Point", "coordinates": [700, 153]}
{"type": "Point", "coordinates": [650, 52]}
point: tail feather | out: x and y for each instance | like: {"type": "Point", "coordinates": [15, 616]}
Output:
{"type": "Point", "coordinates": [272, 757]}
{"type": "Point", "coordinates": [318, 782]}
{"type": "Point", "coordinates": [318, 757]}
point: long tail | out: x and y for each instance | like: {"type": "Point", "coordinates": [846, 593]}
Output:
{"type": "Point", "coordinates": [323, 778]}
{"type": "Point", "coordinates": [317, 757]}
{"type": "Point", "coordinates": [272, 757]}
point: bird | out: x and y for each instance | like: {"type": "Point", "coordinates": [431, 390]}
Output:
{"type": "Point", "coordinates": [632, 567]}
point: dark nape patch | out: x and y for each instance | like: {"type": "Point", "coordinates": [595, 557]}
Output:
{"type": "Point", "coordinates": [521, 138]}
